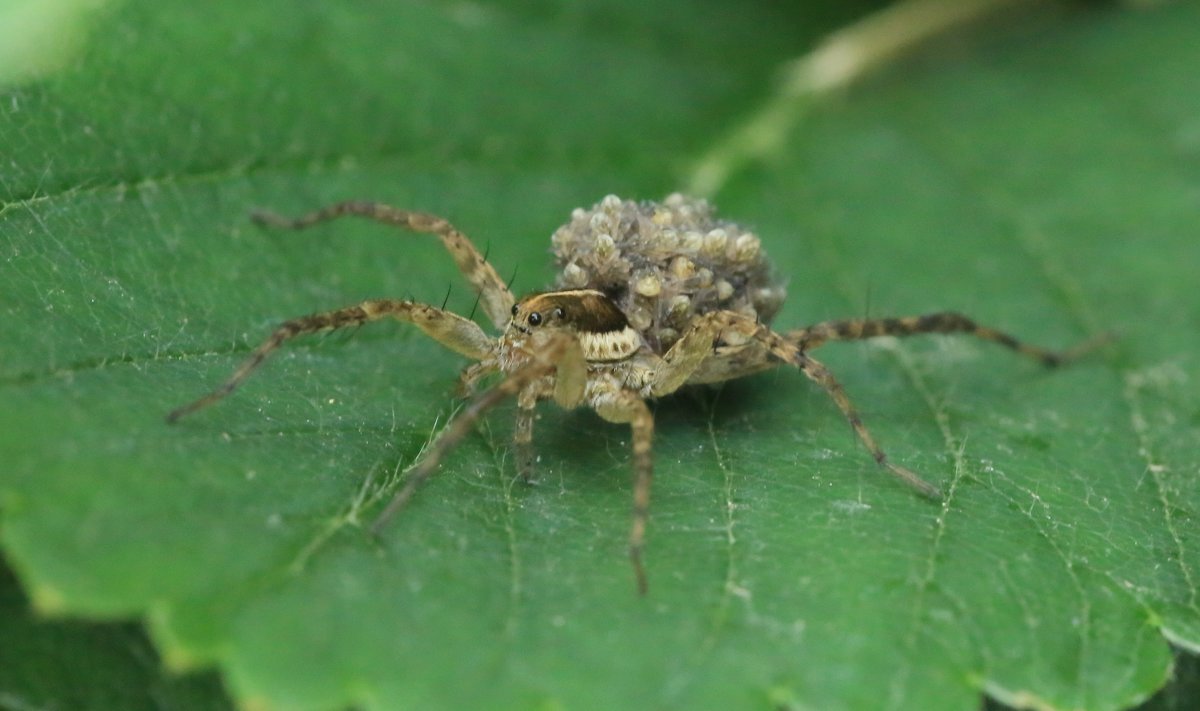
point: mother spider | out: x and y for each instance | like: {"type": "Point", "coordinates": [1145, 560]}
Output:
{"type": "Point", "coordinates": [650, 297]}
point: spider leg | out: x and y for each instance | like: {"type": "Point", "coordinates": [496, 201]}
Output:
{"type": "Point", "coordinates": [449, 329]}
{"type": "Point", "coordinates": [570, 382]}
{"type": "Point", "coordinates": [497, 299]}
{"type": "Point", "coordinates": [666, 375]}
{"type": "Point", "coordinates": [695, 353]}
{"type": "Point", "coordinates": [470, 376]}
{"type": "Point", "coordinates": [696, 347]}
{"type": "Point", "coordinates": [549, 354]}
{"type": "Point", "coordinates": [817, 372]}
{"type": "Point", "coordinates": [523, 434]}
{"type": "Point", "coordinates": [944, 322]}
{"type": "Point", "coordinates": [626, 406]}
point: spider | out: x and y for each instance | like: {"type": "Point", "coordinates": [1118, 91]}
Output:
{"type": "Point", "coordinates": [650, 297]}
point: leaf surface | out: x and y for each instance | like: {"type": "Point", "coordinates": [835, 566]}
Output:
{"type": "Point", "coordinates": [1041, 179]}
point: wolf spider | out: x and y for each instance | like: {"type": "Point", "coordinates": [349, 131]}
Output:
{"type": "Point", "coordinates": [651, 297]}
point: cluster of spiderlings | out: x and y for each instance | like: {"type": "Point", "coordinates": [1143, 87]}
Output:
{"type": "Point", "coordinates": [665, 263]}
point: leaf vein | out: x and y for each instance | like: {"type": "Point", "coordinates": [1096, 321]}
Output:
{"type": "Point", "coordinates": [955, 448]}
{"type": "Point", "coordinates": [1135, 383]}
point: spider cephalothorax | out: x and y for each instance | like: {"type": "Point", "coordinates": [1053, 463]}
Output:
{"type": "Point", "coordinates": [603, 331]}
{"type": "Point", "coordinates": [650, 297]}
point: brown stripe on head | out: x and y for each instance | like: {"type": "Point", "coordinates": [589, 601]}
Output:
{"type": "Point", "coordinates": [603, 331]}
{"type": "Point", "coordinates": [584, 310]}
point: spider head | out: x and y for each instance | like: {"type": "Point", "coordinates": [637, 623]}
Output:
{"type": "Point", "coordinates": [580, 310]}
{"type": "Point", "coordinates": [601, 326]}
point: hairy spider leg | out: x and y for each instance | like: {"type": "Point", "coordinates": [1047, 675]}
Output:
{"type": "Point", "coordinates": [819, 374]}
{"type": "Point", "coordinates": [470, 376]}
{"type": "Point", "coordinates": [570, 383]}
{"type": "Point", "coordinates": [526, 377]}
{"type": "Point", "coordinates": [667, 375]}
{"type": "Point", "coordinates": [497, 299]}
{"type": "Point", "coordinates": [523, 434]}
{"type": "Point", "coordinates": [943, 322]}
{"type": "Point", "coordinates": [695, 347]}
{"type": "Point", "coordinates": [449, 329]}
{"type": "Point", "coordinates": [626, 406]}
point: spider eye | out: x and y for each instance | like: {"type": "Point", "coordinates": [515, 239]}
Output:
{"type": "Point", "coordinates": [514, 309]}
{"type": "Point", "coordinates": [559, 313]}
{"type": "Point", "coordinates": [535, 318]}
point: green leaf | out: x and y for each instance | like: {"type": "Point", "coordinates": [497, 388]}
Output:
{"type": "Point", "coordinates": [1040, 177]}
